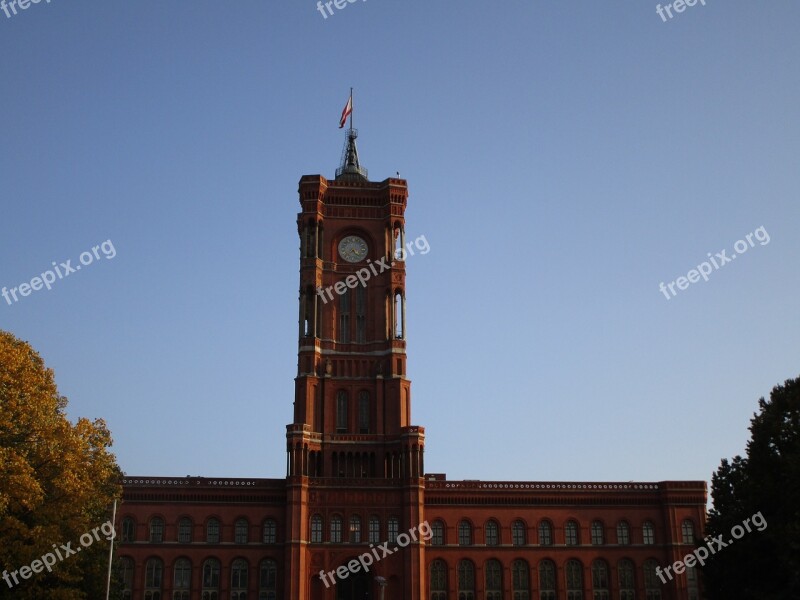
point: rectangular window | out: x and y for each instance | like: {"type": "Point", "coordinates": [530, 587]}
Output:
{"type": "Point", "coordinates": [344, 317]}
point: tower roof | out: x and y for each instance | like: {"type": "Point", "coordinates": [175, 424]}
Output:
{"type": "Point", "coordinates": [351, 167]}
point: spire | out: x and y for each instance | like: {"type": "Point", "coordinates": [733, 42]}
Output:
{"type": "Point", "coordinates": [350, 167]}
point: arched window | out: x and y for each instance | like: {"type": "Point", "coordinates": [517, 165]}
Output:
{"type": "Point", "coordinates": [437, 533]}
{"type": "Point", "coordinates": [182, 579]}
{"type": "Point", "coordinates": [344, 316]}
{"type": "Point", "coordinates": [316, 529]}
{"type": "Point", "coordinates": [491, 531]}
{"type": "Point", "coordinates": [648, 533]}
{"type": "Point", "coordinates": [627, 580]}
{"type": "Point", "coordinates": [571, 533]}
{"type": "Point", "coordinates": [355, 529]}
{"type": "Point", "coordinates": [128, 529]}
{"type": "Point", "coordinates": [211, 579]}
{"type": "Point", "coordinates": [547, 580]}
{"type": "Point", "coordinates": [687, 531]}
{"type": "Point", "coordinates": [153, 572]}
{"type": "Point", "coordinates": [545, 533]}
{"type": "Point", "coordinates": [336, 530]}
{"type": "Point", "coordinates": [598, 539]}
{"type": "Point", "coordinates": [520, 578]}
{"type": "Point", "coordinates": [270, 532]}
{"type": "Point", "coordinates": [574, 573]}
{"type": "Point", "coordinates": [394, 528]}
{"type": "Point", "coordinates": [239, 580]}
{"type": "Point", "coordinates": [652, 586]}
{"type": "Point", "coordinates": [363, 412]}
{"type": "Point", "coordinates": [361, 314]}
{"type": "Point", "coordinates": [494, 580]}
{"type": "Point", "coordinates": [212, 531]}
{"type": "Point", "coordinates": [438, 580]}
{"type": "Point", "coordinates": [240, 529]}
{"type": "Point", "coordinates": [464, 534]}
{"type": "Point", "coordinates": [126, 576]}
{"type": "Point", "coordinates": [341, 411]}
{"type": "Point", "coordinates": [466, 580]}
{"type": "Point", "coordinates": [156, 530]}
{"type": "Point", "coordinates": [374, 529]}
{"type": "Point", "coordinates": [623, 533]}
{"type": "Point", "coordinates": [518, 533]}
{"type": "Point", "coordinates": [185, 531]}
{"type": "Point", "coordinates": [268, 580]}
{"type": "Point", "coordinates": [600, 587]}
{"type": "Point", "coordinates": [399, 316]}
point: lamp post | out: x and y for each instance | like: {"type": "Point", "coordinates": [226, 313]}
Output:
{"type": "Point", "coordinates": [381, 582]}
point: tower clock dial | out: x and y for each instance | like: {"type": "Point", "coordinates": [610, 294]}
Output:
{"type": "Point", "coordinates": [353, 249]}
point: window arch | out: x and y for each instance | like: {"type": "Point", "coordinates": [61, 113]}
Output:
{"type": "Point", "coordinates": [126, 577]}
{"type": "Point", "coordinates": [341, 411]}
{"type": "Point", "coordinates": [571, 534]}
{"type": "Point", "coordinates": [623, 533]}
{"type": "Point", "coordinates": [491, 531]}
{"type": "Point", "coordinates": [438, 580]}
{"type": "Point", "coordinates": [518, 533]}
{"type": "Point", "coordinates": [494, 580]}
{"type": "Point", "coordinates": [547, 580]}
{"type": "Point", "coordinates": [211, 579]}
{"type": "Point", "coordinates": [520, 580]}
{"type": "Point", "coordinates": [466, 580]}
{"type": "Point", "coordinates": [355, 529]}
{"type": "Point", "coordinates": [316, 529]}
{"type": "Point", "coordinates": [652, 586]}
{"type": "Point", "coordinates": [437, 533]}
{"type": "Point", "coordinates": [156, 530]}
{"type": "Point", "coordinates": [128, 529]}
{"type": "Point", "coordinates": [374, 529]}
{"type": "Point", "coordinates": [212, 531]}
{"type": "Point", "coordinates": [648, 533]}
{"type": "Point", "coordinates": [687, 531]}
{"type": "Point", "coordinates": [336, 530]}
{"type": "Point", "coordinates": [574, 574]}
{"type": "Point", "coordinates": [153, 572]}
{"type": "Point", "coordinates": [627, 580]}
{"type": "Point", "coordinates": [464, 533]}
{"type": "Point", "coordinates": [181, 579]}
{"type": "Point", "coordinates": [268, 580]}
{"type": "Point", "coordinates": [600, 587]}
{"type": "Point", "coordinates": [270, 532]}
{"type": "Point", "coordinates": [545, 533]}
{"type": "Point", "coordinates": [241, 530]}
{"type": "Point", "coordinates": [239, 576]}
{"type": "Point", "coordinates": [598, 537]}
{"type": "Point", "coordinates": [185, 531]}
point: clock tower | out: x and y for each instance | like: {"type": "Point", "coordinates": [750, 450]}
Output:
{"type": "Point", "coordinates": [354, 462]}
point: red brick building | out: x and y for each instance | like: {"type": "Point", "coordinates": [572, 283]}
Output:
{"type": "Point", "coordinates": [355, 472]}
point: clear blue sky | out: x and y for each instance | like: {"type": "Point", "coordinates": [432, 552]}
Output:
{"type": "Point", "coordinates": [563, 159]}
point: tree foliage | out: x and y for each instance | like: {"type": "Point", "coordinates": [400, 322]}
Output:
{"type": "Point", "coordinates": [761, 565]}
{"type": "Point", "coordinates": [57, 481]}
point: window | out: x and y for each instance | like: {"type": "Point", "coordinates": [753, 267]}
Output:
{"type": "Point", "coordinates": [627, 580]}
{"type": "Point", "coordinates": [574, 572]}
{"type": "Point", "coordinates": [652, 586]}
{"type": "Point", "coordinates": [691, 583]}
{"type": "Point", "coordinates": [128, 530]}
{"type": "Point", "coordinates": [491, 534]}
{"type": "Point", "coordinates": [597, 534]}
{"type": "Point", "coordinates": [545, 533]}
{"type": "Point", "coordinates": [571, 533]}
{"type": "Point", "coordinates": [185, 531]}
{"type": "Point", "coordinates": [494, 580]}
{"type": "Point", "coordinates": [466, 580]}
{"type": "Point", "coordinates": [341, 412]}
{"type": "Point", "coordinates": [437, 533]}
{"type": "Point", "coordinates": [156, 530]}
{"type": "Point", "coordinates": [547, 580]}
{"type": "Point", "coordinates": [464, 534]}
{"type": "Point", "coordinates": [336, 530]}
{"type": "Point", "coordinates": [211, 579]}
{"type": "Point", "coordinates": [182, 578]}
{"type": "Point", "coordinates": [687, 531]}
{"type": "Point", "coordinates": [212, 531]}
{"type": "Point", "coordinates": [355, 529]}
{"type": "Point", "coordinates": [438, 580]}
{"type": "Point", "coordinates": [374, 530]}
{"type": "Point", "coordinates": [623, 533]}
{"type": "Point", "coordinates": [153, 571]}
{"type": "Point", "coordinates": [316, 529]}
{"type": "Point", "coordinates": [270, 533]}
{"type": "Point", "coordinates": [361, 314]}
{"type": "Point", "coordinates": [363, 412]}
{"type": "Point", "coordinates": [518, 533]}
{"type": "Point", "coordinates": [648, 533]}
{"type": "Point", "coordinates": [126, 577]}
{"type": "Point", "coordinates": [268, 580]}
{"type": "Point", "coordinates": [600, 580]}
{"type": "Point", "coordinates": [520, 579]}
{"type": "Point", "coordinates": [239, 580]}
{"type": "Point", "coordinates": [394, 528]}
{"type": "Point", "coordinates": [241, 528]}
{"type": "Point", "coordinates": [344, 316]}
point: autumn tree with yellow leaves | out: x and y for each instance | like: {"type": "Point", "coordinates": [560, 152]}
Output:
{"type": "Point", "coordinates": [58, 480]}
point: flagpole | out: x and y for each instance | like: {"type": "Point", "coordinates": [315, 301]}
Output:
{"type": "Point", "coordinates": [351, 108]}
{"type": "Point", "coordinates": [111, 549]}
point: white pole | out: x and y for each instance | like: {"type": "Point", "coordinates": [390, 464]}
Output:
{"type": "Point", "coordinates": [111, 549]}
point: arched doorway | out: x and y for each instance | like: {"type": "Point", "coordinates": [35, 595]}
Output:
{"type": "Point", "coordinates": [357, 586]}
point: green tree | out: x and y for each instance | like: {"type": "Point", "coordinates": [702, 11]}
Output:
{"type": "Point", "coordinates": [57, 482]}
{"type": "Point", "coordinates": [762, 565]}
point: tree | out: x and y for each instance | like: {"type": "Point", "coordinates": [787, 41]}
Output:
{"type": "Point", "coordinates": [762, 565]}
{"type": "Point", "coordinates": [57, 483]}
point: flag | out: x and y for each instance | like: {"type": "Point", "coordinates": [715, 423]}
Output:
{"type": "Point", "coordinates": [346, 112]}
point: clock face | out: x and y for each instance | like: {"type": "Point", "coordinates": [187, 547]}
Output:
{"type": "Point", "coordinates": [353, 249]}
